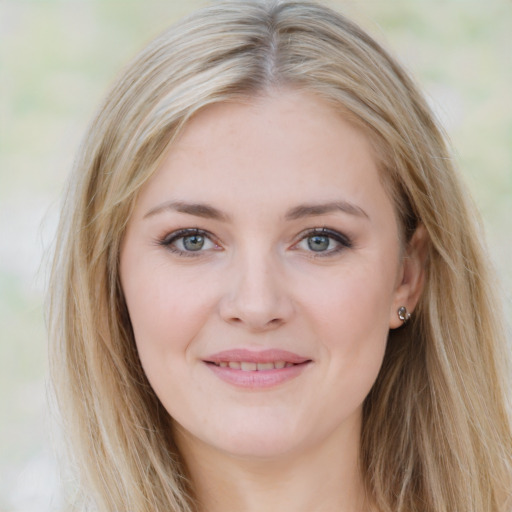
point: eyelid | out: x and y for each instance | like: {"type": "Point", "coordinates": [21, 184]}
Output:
{"type": "Point", "coordinates": [168, 240]}
{"type": "Point", "coordinates": [343, 240]}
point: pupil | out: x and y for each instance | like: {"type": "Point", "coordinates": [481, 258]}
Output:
{"type": "Point", "coordinates": [318, 243]}
{"type": "Point", "coordinates": [193, 242]}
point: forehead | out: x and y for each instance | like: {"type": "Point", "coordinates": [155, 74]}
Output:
{"type": "Point", "coordinates": [290, 122]}
{"type": "Point", "coordinates": [278, 150]}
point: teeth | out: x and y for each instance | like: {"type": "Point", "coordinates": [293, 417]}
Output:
{"type": "Point", "coordinates": [248, 367]}
{"type": "Point", "coordinates": [266, 366]}
{"type": "Point", "coordinates": [251, 367]}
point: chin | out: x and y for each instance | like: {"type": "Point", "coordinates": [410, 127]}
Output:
{"type": "Point", "coordinates": [260, 446]}
{"type": "Point", "coordinates": [255, 439]}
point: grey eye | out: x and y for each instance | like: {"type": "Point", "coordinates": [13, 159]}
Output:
{"type": "Point", "coordinates": [193, 242]}
{"type": "Point", "coordinates": [189, 242]}
{"type": "Point", "coordinates": [318, 243]}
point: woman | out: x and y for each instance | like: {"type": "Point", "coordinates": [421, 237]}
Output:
{"type": "Point", "coordinates": [269, 291]}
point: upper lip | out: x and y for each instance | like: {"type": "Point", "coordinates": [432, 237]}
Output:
{"type": "Point", "coordinates": [251, 356]}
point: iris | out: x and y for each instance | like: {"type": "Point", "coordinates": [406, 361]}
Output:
{"type": "Point", "coordinates": [318, 243]}
{"type": "Point", "coordinates": [193, 242]}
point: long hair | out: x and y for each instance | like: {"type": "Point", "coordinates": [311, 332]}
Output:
{"type": "Point", "coordinates": [436, 435]}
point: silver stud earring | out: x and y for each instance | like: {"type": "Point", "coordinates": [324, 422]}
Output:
{"type": "Point", "coordinates": [403, 314]}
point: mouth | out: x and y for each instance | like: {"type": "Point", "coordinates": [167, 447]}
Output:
{"type": "Point", "coordinates": [248, 366]}
{"type": "Point", "coordinates": [252, 360]}
{"type": "Point", "coordinates": [257, 369]}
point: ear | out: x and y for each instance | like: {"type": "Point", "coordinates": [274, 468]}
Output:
{"type": "Point", "coordinates": [411, 276]}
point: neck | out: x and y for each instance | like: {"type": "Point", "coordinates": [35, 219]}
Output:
{"type": "Point", "coordinates": [324, 478]}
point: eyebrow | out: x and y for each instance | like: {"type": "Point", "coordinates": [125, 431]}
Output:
{"type": "Point", "coordinates": [312, 210]}
{"type": "Point", "coordinates": [197, 209]}
{"type": "Point", "coordinates": [298, 212]}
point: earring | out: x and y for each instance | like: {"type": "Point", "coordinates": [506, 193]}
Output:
{"type": "Point", "coordinates": [403, 314]}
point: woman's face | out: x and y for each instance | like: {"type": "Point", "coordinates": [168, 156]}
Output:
{"type": "Point", "coordinates": [262, 272]}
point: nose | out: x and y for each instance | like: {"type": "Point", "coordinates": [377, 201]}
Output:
{"type": "Point", "coordinates": [256, 295]}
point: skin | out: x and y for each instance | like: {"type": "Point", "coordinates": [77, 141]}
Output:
{"type": "Point", "coordinates": [256, 283]}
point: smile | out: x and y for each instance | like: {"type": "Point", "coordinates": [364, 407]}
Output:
{"type": "Point", "coordinates": [257, 370]}
{"type": "Point", "coordinates": [248, 366]}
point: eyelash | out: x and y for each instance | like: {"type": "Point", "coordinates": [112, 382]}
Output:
{"type": "Point", "coordinates": [342, 240]}
{"type": "Point", "coordinates": [173, 237]}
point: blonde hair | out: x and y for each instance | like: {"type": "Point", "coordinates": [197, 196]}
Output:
{"type": "Point", "coordinates": [436, 432]}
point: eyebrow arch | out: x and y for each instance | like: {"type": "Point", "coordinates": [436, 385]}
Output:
{"type": "Point", "coordinates": [196, 209]}
{"type": "Point", "coordinates": [298, 212]}
{"type": "Point", "coordinates": [311, 210]}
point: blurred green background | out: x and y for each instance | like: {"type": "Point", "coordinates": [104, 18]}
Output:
{"type": "Point", "coordinates": [57, 58]}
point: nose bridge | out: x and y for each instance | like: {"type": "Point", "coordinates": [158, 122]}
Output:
{"type": "Point", "coordinates": [257, 295]}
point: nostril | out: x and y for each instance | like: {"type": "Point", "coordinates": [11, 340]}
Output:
{"type": "Point", "coordinates": [256, 310]}
{"type": "Point", "coordinates": [256, 324]}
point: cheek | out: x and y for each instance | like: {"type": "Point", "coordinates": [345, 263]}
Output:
{"type": "Point", "coordinates": [354, 302]}
{"type": "Point", "coordinates": [166, 310]}
{"type": "Point", "coordinates": [351, 318]}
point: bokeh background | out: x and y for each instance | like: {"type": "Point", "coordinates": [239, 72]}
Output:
{"type": "Point", "coordinates": [57, 57]}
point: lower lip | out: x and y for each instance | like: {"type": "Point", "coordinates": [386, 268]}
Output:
{"type": "Point", "coordinates": [260, 379]}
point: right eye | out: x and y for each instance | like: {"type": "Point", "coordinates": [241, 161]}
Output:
{"type": "Point", "coordinates": [189, 242]}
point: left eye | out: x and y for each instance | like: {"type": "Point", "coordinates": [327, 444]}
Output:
{"type": "Point", "coordinates": [319, 243]}
{"type": "Point", "coordinates": [323, 241]}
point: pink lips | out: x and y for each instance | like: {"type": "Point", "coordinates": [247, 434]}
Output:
{"type": "Point", "coordinates": [256, 369]}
